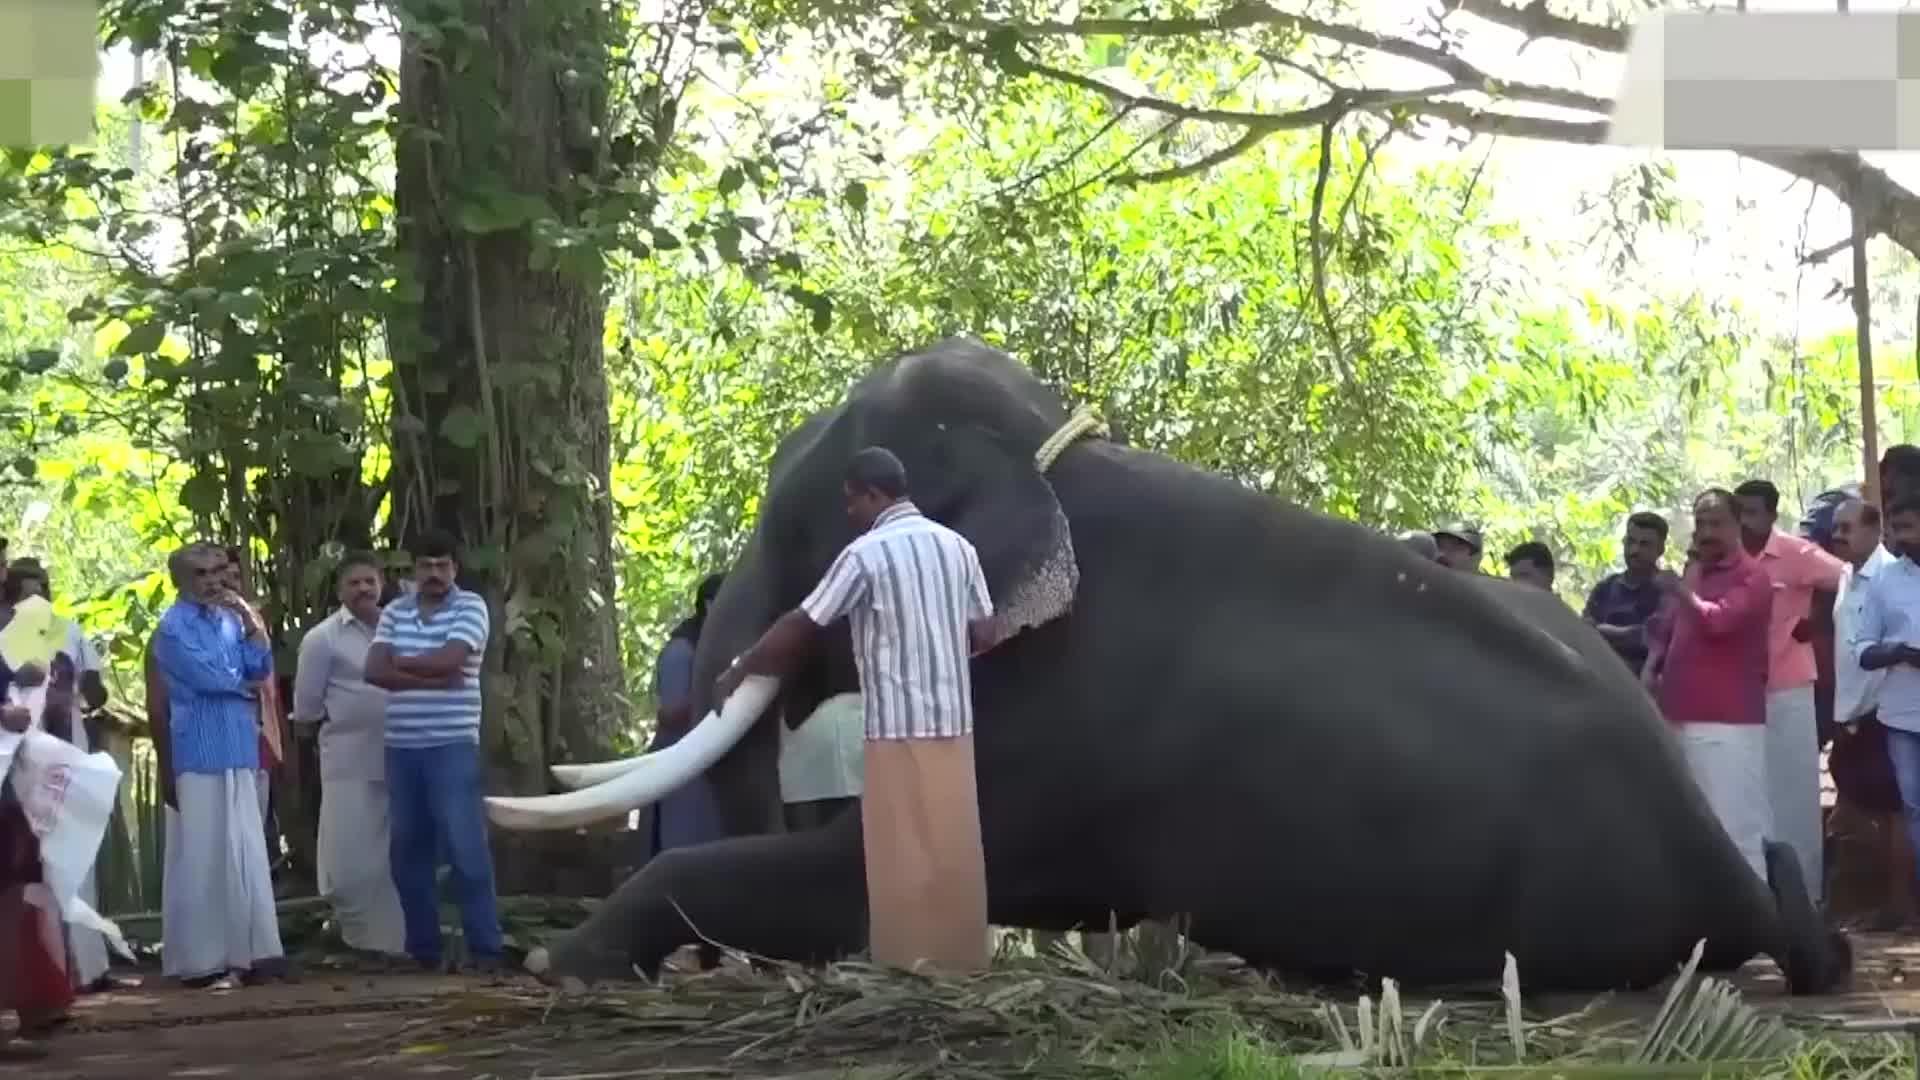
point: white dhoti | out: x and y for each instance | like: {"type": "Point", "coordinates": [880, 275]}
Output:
{"type": "Point", "coordinates": [217, 913]}
{"type": "Point", "coordinates": [926, 871]}
{"type": "Point", "coordinates": [1793, 779]}
{"type": "Point", "coordinates": [1729, 763]}
{"type": "Point", "coordinates": [355, 873]}
{"type": "Point", "coordinates": [86, 949]}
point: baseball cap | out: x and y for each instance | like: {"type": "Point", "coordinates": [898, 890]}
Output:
{"type": "Point", "coordinates": [1463, 532]}
{"type": "Point", "coordinates": [1422, 544]}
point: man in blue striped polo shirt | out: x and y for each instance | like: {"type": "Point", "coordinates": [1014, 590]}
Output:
{"type": "Point", "coordinates": [427, 653]}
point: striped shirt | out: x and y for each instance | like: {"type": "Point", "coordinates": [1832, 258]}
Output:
{"type": "Point", "coordinates": [208, 663]}
{"type": "Point", "coordinates": [418, 718]}
{"type": "Point", "coordinates": [909, 587]}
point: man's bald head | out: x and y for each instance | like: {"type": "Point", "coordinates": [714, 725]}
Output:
{"type": "Point", "coordinates": [1856, 529]}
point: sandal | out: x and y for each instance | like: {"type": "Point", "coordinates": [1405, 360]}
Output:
{"type": "Point", "coordinates": [107, 984]}
{"type": "Point", "coordinates": [224, 980]}
{"type": "Point", "coordinates": [18, 1049]}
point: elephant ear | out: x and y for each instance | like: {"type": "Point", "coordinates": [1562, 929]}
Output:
{"type": "Point", "coordinates": [989, 492]}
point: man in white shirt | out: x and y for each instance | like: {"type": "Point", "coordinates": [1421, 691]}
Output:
{"type": "Point", "coordinates": [330, 690]}
{"type": "Point", "coordinates": [822, 762]}
{"type": "Point", "coordinates": [1886, 638]}
{"type": "Point", "coordinates": [1866, 832]}
{"type": "Point", "coordinates": [1856, 535]}
{"type": "Point", "coordinates": [917, 601]}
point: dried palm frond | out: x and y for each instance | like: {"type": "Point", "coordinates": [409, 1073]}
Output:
{"type": "Point", "coordinates": [1704, 1019]}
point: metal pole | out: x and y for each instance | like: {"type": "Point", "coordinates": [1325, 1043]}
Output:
{"type": "Point", "coordinates": [1863, 343]}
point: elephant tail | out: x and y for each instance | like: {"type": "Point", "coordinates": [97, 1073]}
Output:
{"type": "Point", "coordinates": [1816, 960]}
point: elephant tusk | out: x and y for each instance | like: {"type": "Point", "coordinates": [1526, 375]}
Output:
{"type": "Point", "coordinates": [652, 778]}
{"type": "Point", "coordinates": [585, 776]}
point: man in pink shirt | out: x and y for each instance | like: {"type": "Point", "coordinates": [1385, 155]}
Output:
{"type": "Point", "coordinates": [1797, 568]}
{"type": "Point", "coordinates": [1707, 668]}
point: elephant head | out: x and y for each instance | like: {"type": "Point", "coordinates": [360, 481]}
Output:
{"type": "Point", "coordinates": [969, 423]}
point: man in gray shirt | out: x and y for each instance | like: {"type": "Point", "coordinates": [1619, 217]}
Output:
{"type": "Point", "coordinates": [330, 689]}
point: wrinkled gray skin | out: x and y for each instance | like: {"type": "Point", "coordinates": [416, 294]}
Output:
{"type": "Point", "coordinates": [1332, 755]}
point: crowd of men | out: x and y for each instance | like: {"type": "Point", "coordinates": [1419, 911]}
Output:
{"type": "Point", "coordinates": [1764, 646]}
{"type": "Point", "coordinates": [394, 690]}
{"type": "Point", "coordinates": [1768, 647]}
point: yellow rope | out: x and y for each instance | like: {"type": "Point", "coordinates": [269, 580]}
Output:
{"type": "Point", "coordinates": [1084, 423]}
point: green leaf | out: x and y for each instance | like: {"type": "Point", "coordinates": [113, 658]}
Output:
{"type": "Point", "coordinates": [727, 240]}
{"type": "Point", "coordinates": [202, 494]}
{"type": "Point", "coordinates": [35, 361]}
{"type": "Point", "coordinates": [732, 178]}
{"type": "Point", "coordinates": [463, 427]}
{"type": "Point", "coordinates": [314, 454]}
{"type": "Point", "coordinates": [820, 306]}
{"type": "Point", "coordinates": [495, 211]}
{"type": "Point", "coordinates": [142, 338]}
{"type": "Point", "coordinates": [26, 466]}
{"type": "Point", "coordinates": [856, 196]}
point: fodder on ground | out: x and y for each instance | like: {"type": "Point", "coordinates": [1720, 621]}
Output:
{"type": "Point", "coordinates": [1062, 1016]}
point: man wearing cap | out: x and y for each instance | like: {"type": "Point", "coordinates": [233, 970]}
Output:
{"type": "Point", "coordinates": [1459, 546]}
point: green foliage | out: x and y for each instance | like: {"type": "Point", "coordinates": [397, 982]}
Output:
{"type": "Point", "coordinates": [1186, 313]}
{"type": "Point", "coordinates": [231, 331]}
{"type": "Point", "coordinates": [1229, 1054]}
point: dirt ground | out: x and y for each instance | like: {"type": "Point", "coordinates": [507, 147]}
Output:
{"type": "Point", "coordinates": [386, 1027]}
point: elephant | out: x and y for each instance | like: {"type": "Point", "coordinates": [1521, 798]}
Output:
{"type": "Point", "coordinates": [1319, 750]}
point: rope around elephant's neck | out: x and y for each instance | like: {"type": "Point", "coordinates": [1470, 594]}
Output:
{"type": "Point", "coordinates": [1083, 424]}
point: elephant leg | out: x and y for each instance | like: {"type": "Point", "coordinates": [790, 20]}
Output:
{"type": "Point", "coordinates": [799, 897]}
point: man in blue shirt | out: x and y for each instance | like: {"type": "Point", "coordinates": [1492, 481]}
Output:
{"type": "Point", "coordinates": [427, 653]}
{"type": "Point", "coordinates": [1621, 604]}
{"type": "Point", "coordinates": [690, 815]}
{"type": "Point", "coordinates": [218, 922]}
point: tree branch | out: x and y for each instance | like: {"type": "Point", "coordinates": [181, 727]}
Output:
{"type": "Point", "coordinates": [1537, 23]}
{"type": "Point", "coordinates": [1317, 247]}
{"type": "Point", "coordinates": [1886, 206]}
{"type": "Point", "coordinates": [1251, 13]}
{"type": "Point", "coordinates": [1337, 105]}
{"type": "Point", "coordinates": [1821, 254]}
{"type": "Point", "coordinates": [1248, 139]}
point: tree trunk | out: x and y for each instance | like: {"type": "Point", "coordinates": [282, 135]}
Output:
{"type": "Point", "coordinates": [500, 395]}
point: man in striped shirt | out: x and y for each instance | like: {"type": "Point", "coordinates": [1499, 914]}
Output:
{"type": "Point", "coordinates": [217, 919]}
{"type": "Point", "coordinates": [427, 652]}
{"type": "Point", "coordinates": [917, 600]}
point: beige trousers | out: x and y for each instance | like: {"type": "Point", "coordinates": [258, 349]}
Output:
{"type": "Point", "coordinates": [926, 871]}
